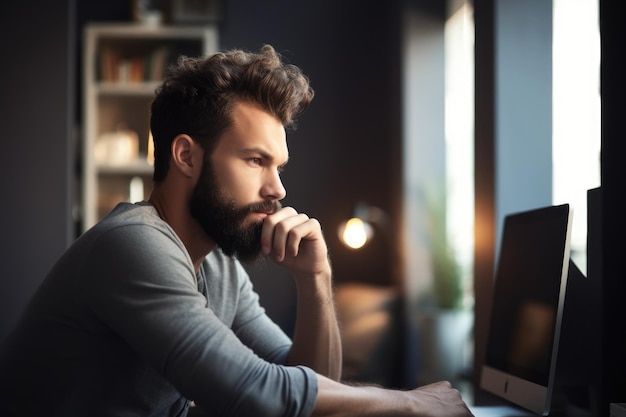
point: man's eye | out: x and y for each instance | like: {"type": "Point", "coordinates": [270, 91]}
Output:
{"type": "Point", "coordinates": [255, 161]}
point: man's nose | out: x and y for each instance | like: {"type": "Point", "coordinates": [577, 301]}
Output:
{"type": "Point", "coordinates": [273, 188]}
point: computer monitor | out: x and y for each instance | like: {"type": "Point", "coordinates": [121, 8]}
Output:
{"type": "Point", "coordinates": [528, 302]}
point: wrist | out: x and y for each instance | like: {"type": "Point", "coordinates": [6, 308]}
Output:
{"type": "Point", "coordinates": [360, 400]}
{"type": "Point", "coordinates": [315, 285]}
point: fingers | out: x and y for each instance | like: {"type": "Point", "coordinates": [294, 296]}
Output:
{"type": "Point", "coordinates": [284, 231]}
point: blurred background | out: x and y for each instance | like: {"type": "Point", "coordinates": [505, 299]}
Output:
{"type": "Point", "coordinates": [432, 120]}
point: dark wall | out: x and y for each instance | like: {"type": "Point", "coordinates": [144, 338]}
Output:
{"type": "Point", "coordinates": [613, 91]}
{"type": "Point", "coordinates": [36, 146]}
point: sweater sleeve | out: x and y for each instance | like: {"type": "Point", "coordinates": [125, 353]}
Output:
{"type": "Point", "coordinates": [148, 295]}
{"type": "Point", "coordinates": [238, 305]}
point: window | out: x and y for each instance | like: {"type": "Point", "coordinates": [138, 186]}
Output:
{"type": "Point", "coordinates": [576, 112]}
{"type": "Point", "coordinates": [459, 134]}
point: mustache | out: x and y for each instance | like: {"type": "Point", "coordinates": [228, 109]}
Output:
{"type": "Point", "coordinates": [265, 206]}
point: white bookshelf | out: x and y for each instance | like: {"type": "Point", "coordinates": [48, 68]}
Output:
{"type": "Point", "coordinates": [123, 65]}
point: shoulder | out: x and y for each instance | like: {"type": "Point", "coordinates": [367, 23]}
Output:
{"type": "Point", "coordinates": [132, 246]}
{"type": "Point", "coordinates": [133, 221]}
{"type": "Point", "coordinates": [130, 233]}
{"type": "Point", "coordinates": [125, 214]}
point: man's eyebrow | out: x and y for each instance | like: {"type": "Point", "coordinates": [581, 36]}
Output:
{"type": "Point", "coordinates": [262, 153]}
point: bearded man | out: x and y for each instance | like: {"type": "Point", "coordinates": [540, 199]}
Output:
{"type": "Point", "coordinates": [151, 309]}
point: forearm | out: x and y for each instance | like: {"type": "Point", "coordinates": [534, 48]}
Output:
{"type": "Point", "coordinates": [317, 342]}
{"type": "Point", "coordinates": [335, 399]}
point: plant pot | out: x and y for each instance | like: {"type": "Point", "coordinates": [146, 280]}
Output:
{"type": "Point", "coordinates": [444, 341]}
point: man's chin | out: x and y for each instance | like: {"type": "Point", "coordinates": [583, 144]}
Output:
{"type": "Point", "coordinates": [246, 251]}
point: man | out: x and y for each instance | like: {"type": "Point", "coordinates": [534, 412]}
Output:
{"type": "Point", "coordinates": [151, 309]}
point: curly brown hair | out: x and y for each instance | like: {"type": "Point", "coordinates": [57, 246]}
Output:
{"type": "Point", "coordinates": [198, 94]}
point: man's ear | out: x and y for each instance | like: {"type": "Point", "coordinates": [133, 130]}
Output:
{"type": "Point", "coordinates": [184, 154]}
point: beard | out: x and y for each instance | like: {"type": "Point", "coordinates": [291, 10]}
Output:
{"type": "Point", "coordinates": [223, 221]}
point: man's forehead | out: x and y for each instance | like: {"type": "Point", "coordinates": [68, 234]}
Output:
{"type": "Point", "coordinates": [244, 110]}
{"type": "Point", "coordinates": [253, 128]}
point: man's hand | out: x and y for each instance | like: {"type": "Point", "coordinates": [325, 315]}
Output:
{"type": "Point", "coordinates": [295, 241]}
{"type": "Point", "coordinates": [438, 399]}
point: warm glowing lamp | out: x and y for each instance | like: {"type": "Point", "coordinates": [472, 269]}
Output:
{"type": "Point", "coordinates": [357, 231]}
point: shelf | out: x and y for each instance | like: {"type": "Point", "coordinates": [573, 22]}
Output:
{"type": "Point", "coordinates": [139, 167]}
{"type": "Point", "coordinates": [121, 88]}
{"type": "Point", "coordinates": [125, 31]}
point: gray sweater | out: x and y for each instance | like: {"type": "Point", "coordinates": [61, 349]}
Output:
{"type": "Point", "coordinates": [122, 326]}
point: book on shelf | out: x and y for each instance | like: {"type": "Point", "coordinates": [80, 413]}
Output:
{"type": "Point", "coordinates": [114, 66]}
{"type": "Point", "coordinates": [158, 62]}
{"type": "Point", "coordinates": [108, 64]}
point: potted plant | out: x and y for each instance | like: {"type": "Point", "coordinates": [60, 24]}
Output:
{"type": "Point", "coordinates": [446, 322]}
{"type": "Point", "coordinates": [447, 276]}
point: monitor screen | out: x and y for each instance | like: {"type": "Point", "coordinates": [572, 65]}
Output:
{"type": "Point", "coordinates": [528, 299]}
